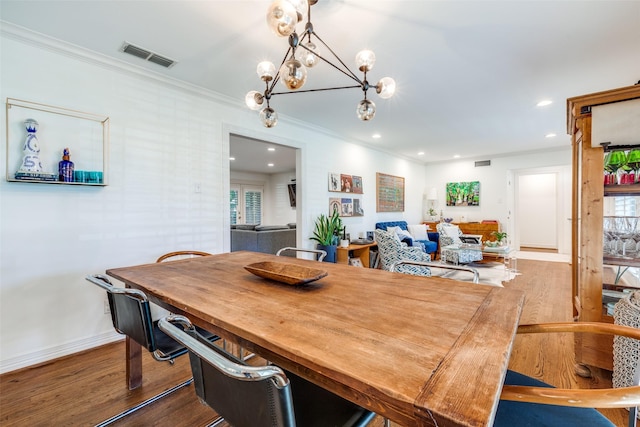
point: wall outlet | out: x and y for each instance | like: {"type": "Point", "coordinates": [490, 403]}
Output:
{"type": "Point", "coordinates": [107, 309]}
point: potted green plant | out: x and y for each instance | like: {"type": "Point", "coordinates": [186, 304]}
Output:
{"type": "Point", "coordinates": [327, 233]}
{"type": "Point", "coordinates": [500, 236]}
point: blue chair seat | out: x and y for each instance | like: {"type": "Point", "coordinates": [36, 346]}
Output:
{"type": "Point", "coordinates": [524, 414]}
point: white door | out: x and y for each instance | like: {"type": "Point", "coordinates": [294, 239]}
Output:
{"type": "Point", "coordinates": [537, 211]}
{"type": "Point", "coordinates": [245, 203]}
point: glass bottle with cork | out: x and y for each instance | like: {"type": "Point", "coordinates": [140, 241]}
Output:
{"type": "Point", "coordinates": [65, 167]}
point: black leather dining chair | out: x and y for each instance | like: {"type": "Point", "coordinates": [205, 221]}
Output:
{"type": "Point", "coordinates": [131, 316]}
{"type": "Point", "coordinates": [259, 396]}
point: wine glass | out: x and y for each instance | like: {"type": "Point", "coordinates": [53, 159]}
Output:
{"type": "Point", "coordinates": [633, 161]}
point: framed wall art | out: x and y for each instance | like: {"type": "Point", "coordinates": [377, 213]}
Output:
{"type": "Point", "coordinates": [334, 182]}
{"type": "Point", "coordinates": [389, 193]}
{"type": "Point", "coordinates": [463, 193]}
{"type": "Point", "coordinates": [343, 183]}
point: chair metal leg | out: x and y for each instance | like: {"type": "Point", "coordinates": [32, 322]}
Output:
{"type": "Point", "coordinates": [633, 416]}
{"type": "Point", "coordinates": [145, 403]}
{"type": "Point", "coordinates": [215, 422]}
{"type": "Point", "coordinates": [387, 423]}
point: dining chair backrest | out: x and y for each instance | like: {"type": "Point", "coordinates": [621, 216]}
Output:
{"type": "Point", "coordinates": [172, 256]}
{"type": "Point", "coordinates": [258, 396]}
{"type": "Point", "coordinates": [131, 316]}
{"type": "Point", "coordinates": [319, 254]}
{"type": "Point", "coordinates": [242, 395]}
{"type": "Point", "coordinates": [130, 313]}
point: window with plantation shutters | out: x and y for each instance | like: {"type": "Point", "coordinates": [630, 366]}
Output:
{"type": "Point", "coordinates": [245, 204]}
{"type": "Point", "coordinates": [233, 203]}
{"type": "Point", "coordinates": [253, 206]}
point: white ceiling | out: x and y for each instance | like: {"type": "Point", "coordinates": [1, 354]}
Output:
{"type": "Point", "coordinates": [468, 73]}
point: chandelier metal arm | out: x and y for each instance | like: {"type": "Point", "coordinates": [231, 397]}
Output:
{"type": "Point", "coordinates": [348, 72]}
{"type": "Point", "coordinates": [277, 76]}
{"type": "Point", "coordinates": [317, 90]}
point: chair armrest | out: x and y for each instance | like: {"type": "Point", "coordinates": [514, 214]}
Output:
{"type": "Point", "coordinates": [623, 397]}
{"type": "Point", "coordinates": [476, 275]}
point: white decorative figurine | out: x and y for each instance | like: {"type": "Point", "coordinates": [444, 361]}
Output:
{"type": "Point", "coordinates": [31, 150]}
{"type": "Point", "coordinates": [31, 169]}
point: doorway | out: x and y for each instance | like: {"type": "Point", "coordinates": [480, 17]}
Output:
{"type": "Point", "coordinates": [541, 207]}
{"type": "Point", "coordinates": [260, 177]}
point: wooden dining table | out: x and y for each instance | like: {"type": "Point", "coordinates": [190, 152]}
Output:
{"type": "Point", "coordinates": [421, 351]}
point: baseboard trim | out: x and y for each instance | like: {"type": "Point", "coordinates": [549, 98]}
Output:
{"type": "Point", "coordinates": [56, 352]}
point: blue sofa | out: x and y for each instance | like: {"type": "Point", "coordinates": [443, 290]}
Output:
{"type": "Point", "coordinates": [430, 246]}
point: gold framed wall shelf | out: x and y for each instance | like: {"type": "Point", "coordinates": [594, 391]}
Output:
{"type": "Point", "coordinates": [37, 136]}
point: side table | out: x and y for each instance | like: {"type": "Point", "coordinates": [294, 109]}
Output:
{"type": "Point", "coordinates": [354, 251]}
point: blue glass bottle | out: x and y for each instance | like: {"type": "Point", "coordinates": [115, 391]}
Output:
{"type": "Point", "coordinates": [65, 167]}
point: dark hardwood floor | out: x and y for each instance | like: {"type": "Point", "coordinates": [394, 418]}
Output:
{"type": "Point", "coordinates": [86, 388]}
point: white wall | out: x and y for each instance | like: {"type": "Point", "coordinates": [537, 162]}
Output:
{"type": "Point", "coordinates": [167, 138]}
{"type": "Point", "coordinates": [497, 189]}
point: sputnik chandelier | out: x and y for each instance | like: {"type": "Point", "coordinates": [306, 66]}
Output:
{"type": "Point", "coordinates": [282, 18]}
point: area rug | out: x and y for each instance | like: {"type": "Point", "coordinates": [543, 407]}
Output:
{"type": "Point", "coordinates": [491, 273]}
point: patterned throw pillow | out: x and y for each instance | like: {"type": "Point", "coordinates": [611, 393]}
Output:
{"type": "Point", "coordinates": [400, 232]}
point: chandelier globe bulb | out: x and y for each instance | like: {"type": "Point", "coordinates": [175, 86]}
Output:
{"type": "Point", "coordinates": [266, 71]}
{"type": "Point", "coordinates": [269, 117]}
{"type": "Point", "coordinates": [301, 7]}
{"type": "Point", "coordinates": [386, 87]}
{"type": "Point", "coordinates": [293, 74]}
{"type": "Point", "coordinates": [282, 18]}
{"type": "Point", "coordinates": [366, 110]}
{"type": "Point", "coordinates": [365, 59]}
{"type": "Point", "coordinates": [254, 100]}
{"type": "Point", "coordinates": [308, 57]}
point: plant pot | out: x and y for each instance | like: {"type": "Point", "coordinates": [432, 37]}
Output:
{"type": "Point", "coordinates": [331, 252]}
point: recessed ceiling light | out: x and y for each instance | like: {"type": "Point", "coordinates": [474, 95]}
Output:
{"type": "Point", "coordinates": [544, 103]}
{"type": "Point", "coordinates": [456, 156]}
{"type": "Point", "coordinates": [232, 158]}
{"type": "Point", "coordinates": [270, 165]}
{"type": "Point", "coordinates": [550, 135]}
{"type": "Point", "coordinates": [271, 149]}
{"type": "Point", "coordinates": [376, 136]}
{"type": "Point", "coordinates": [421, 153]}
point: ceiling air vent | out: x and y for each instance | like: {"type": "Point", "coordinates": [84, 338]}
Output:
{"type": "Point", "coordinates": [147, 55]}
{"type": "Point", "coordinates": [483, 163]}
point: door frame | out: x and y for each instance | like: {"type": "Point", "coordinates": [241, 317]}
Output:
{"type": "Point", "coordinates": [227, 130]}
